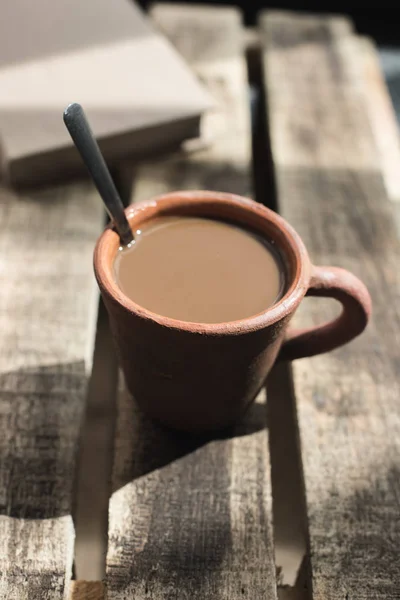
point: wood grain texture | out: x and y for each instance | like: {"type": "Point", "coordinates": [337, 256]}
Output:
{"type": "Point", "coordinates": [330, 188]}
{"type": "Point", "coordinates": [383, 118]}
{"type": "Point", "coordinates": [48, 306]}
{"type": "Point", "coordinates": [220, 159]}
{"type": "Point", "coordinates": [190, 517]}
{"type": "Point", "coordinates": [87, 590]}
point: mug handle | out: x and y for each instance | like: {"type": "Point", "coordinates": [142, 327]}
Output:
{"type": "Point", "coordinates": [331, 282]}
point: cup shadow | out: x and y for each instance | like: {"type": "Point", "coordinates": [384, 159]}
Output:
{"type": "Point", "coordinates": [145, 445]}
{"type": "Point", "coordinates": [175, 513]}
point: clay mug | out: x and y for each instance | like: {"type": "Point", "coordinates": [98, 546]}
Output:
{"type": "Point", "coordinates": [193, 376]}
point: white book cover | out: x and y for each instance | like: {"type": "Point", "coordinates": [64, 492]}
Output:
{"type": "Point", "coordinates": [138, 93]}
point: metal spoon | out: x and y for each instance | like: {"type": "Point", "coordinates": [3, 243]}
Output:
{"type": "Point", "coordinates": [78, 126]}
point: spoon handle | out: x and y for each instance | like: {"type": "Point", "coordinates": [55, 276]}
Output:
{"type": "Point", "coordinates": [82, 135]}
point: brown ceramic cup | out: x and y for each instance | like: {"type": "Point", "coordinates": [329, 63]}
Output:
{"type": "Point", "coordinates": [195, 376]}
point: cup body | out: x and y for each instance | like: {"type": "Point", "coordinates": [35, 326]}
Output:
{"type": "Point", "coordinates": [194, 376]}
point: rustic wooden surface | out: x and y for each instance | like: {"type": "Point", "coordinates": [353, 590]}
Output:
{"type": "Point", "coordinates": [330, 188]}
{"type": "Point", "coordinates": [382, 117]}
{"type": "Point", "coordinates": [48, 306]}
{"type": "Point", "coordinates": [87, 590]}
{"type": "Point", "coordinates": [191, 517]}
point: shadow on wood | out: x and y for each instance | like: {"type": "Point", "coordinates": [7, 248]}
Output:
{"type": "Point", "coordinates": [39, 470]}
{"type": "Point", "coordinates": [195, 504]}
{"type": "Point", "coordinates": [152, 446]}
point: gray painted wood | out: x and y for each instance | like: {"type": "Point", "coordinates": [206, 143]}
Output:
{"type": "Point", "coordinates": [331, 189]}
{"type": "Point", "coordinates": [48, 307]}
{"type": "Point", "coordinates": [191, 517]}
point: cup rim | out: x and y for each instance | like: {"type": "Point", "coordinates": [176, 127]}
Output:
{"type": "Point", "coordinates": [221, 202]}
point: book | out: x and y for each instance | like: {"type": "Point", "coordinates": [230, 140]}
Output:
{"type": "Point", "coordinates": [138, 93]}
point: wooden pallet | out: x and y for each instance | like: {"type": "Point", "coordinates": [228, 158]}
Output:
{"type": "Point", "coordinates": [303, 500]}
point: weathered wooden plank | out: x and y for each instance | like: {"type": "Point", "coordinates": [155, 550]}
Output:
{"type": "Point", "coordinates": [383, 118]}
{"type": "Point", "coordinates": [303, 87]}
{"type": "Point", "coordinates": [87, 590]}
{"type": "Point", "coordinates": [191, 517]}
{"type": "Point", "coordinates": [330, 188]}
{"type": "Point", "coordinates": [48, 306]}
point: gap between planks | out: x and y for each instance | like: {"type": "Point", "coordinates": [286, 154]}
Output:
{"type": "Point", "coordinates": [288, 502]}
{"type": "Point", "coordinates": [93, 487]}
